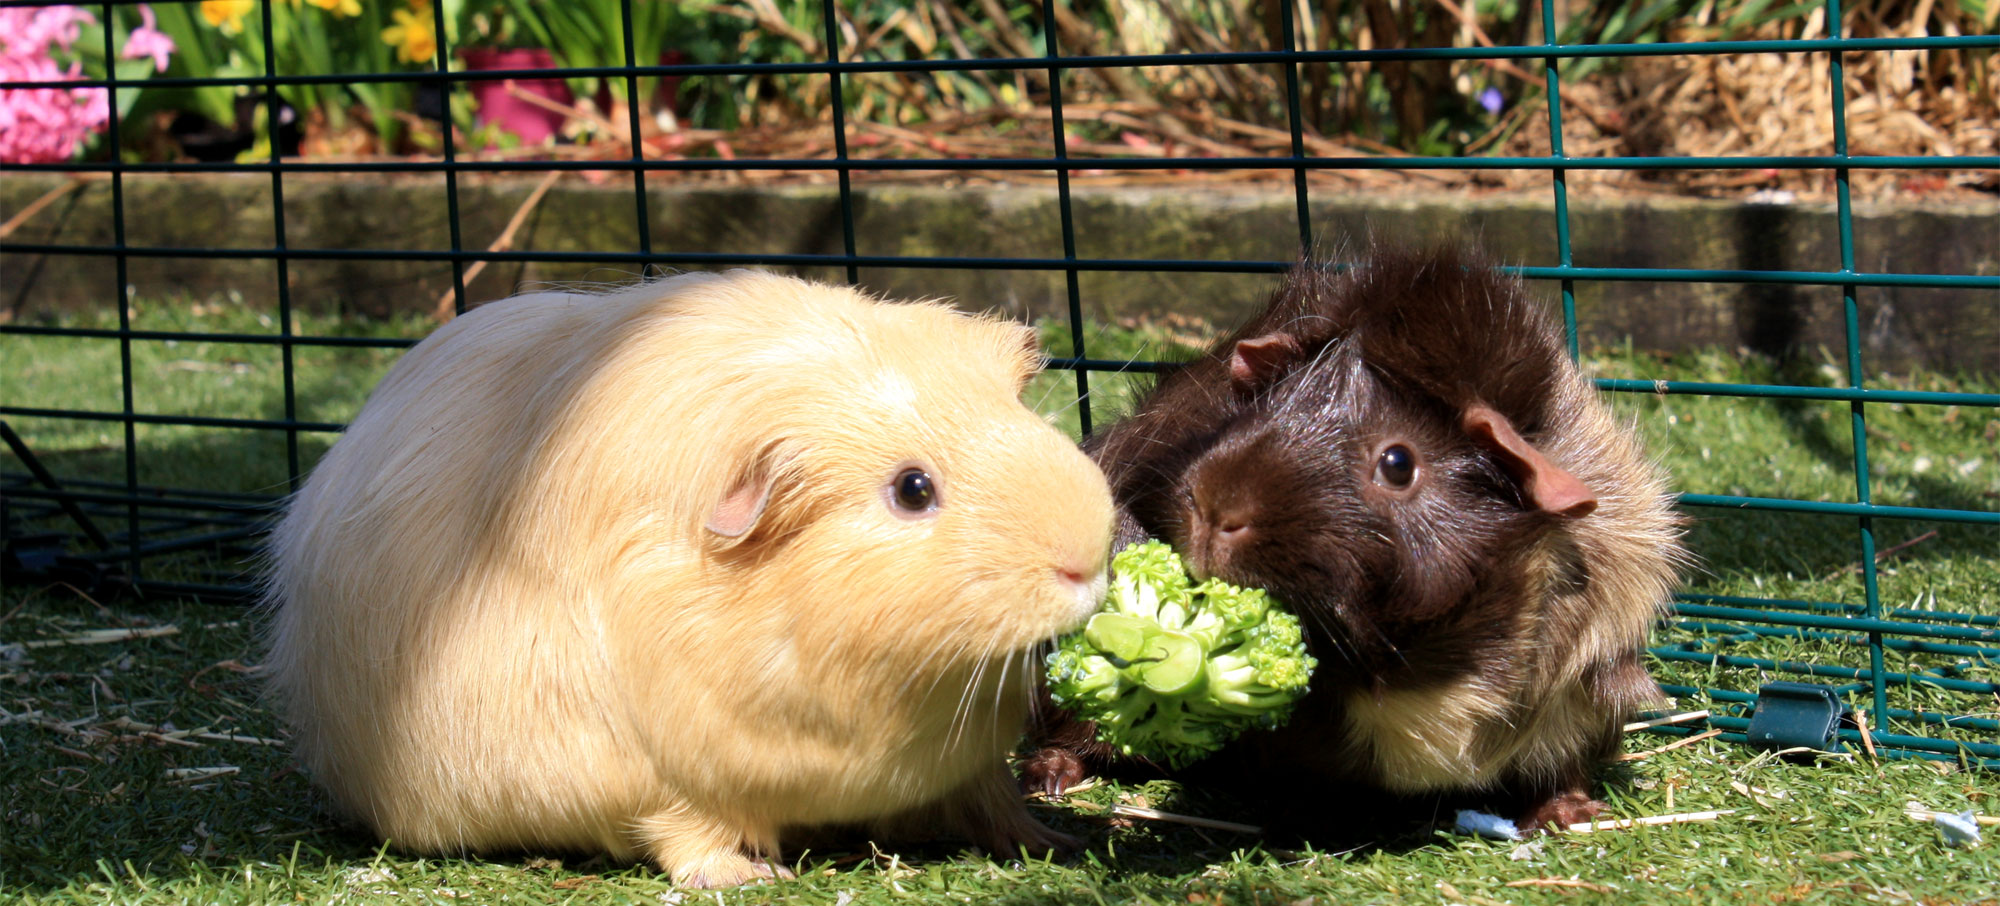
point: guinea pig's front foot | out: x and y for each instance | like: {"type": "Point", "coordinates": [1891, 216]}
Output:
{"type": "Point", "coordinates": [996, 820]}
{"type": "Point", "coordinates": [1052, 770]}
{"type": "Point", "coordinates": [1028, 838]}
{"type": "Point", "coordinates": [700, 851]}
{"type": "Point", "coordinates": [734, 872]}
{"type": "Point", "coordinates": [1559, 810]}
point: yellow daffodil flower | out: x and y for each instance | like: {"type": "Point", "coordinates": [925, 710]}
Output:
{"type": "Point", "coordinates": [339, 7]}
{"type": "Point", "coordinates": [226, 14]}
{"type": "Point", "coordinates": [412, 36]}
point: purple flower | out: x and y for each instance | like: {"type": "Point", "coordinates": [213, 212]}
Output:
{"type": "Point", "coordinates": [148, 41]}
{"type": "Point", "coordinates": [1490, 99]}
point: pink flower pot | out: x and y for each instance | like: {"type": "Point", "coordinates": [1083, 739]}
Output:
{"type": "Point", "coordinates": [497, 106]}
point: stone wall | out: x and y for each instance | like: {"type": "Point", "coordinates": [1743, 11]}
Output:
{"type": "Point", "coordinates": [1952, 329]}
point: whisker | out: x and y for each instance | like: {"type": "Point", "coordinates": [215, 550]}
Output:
{"type": "Point", "coordinates": [965, 697]}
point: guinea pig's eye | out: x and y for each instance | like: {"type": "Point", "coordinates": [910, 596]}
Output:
{"type": "Point", "coordinates": [1396, 467]}
{"type": "Point", "coordinates": [913, 490]}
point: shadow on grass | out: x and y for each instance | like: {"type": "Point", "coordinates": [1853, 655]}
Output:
{"type": "Point", "coordinates": [1811, 546]}
{"type": "Point", "coordinates": [246, 466]}
{"type": "Point", "coordinates": [86, 799]}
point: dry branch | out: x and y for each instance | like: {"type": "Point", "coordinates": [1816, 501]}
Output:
{"type": "Point", "coordinates": [1585, 827]}
{"type": "Point", "coordinates": [1559, 882]}
{"type": "Point", "coordinates": [445, 310]}
{"type": "Point", "coordinates": [1678, 743]}
{"type": "Point", "coordinates": [1151, 814]}
{"type": "Point", "coordinates": [48, 198]}
{"type": "Point", "coordinates": [99, 637]}
{"type": "Point", "coordinates": [187, 775]}
{"type": "Point", "coordinates": [1670, 719]}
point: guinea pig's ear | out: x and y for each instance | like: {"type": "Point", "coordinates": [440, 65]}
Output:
{"type": "Point", "coordinates": [1032, 358]}
{"type": "Point", "coordinates": [1547, 486]}
{"type": "Point", "coordinates": [1258, 361]}
{"type": "Point", "coordinates": [742, 506]}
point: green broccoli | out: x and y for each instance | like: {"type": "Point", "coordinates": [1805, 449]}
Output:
{"type": "Point", "coordinates": [1170, 670]}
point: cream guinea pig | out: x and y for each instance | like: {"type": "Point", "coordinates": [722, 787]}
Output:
{"type": "Point", "coordinates": [670, 572]}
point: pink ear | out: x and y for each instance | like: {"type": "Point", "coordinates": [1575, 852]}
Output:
{"type": "Point", "coordinates": [1254, 361]}
{"type": "Point", "coordinates": [1549, 487]}
{"type": "Point", "coordinates": [740, 508]}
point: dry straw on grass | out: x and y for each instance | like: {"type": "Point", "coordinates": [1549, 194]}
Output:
{"type": "Point", "coordinates": [1940, 103]}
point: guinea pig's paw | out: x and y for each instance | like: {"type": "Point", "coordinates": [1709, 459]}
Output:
{"type": "Point", "coordinates": [1560, 810]}
{"type": "Point", "coordinates": [1024, 836]}
{"type": "Point", "coordinates": [703, 851]}
{"type": "Point", "coordinates": [727, 870]}
{"type": "Point", "coordinates": [1042, 840]}
{"type": "Point", "coordinates": [1051, 771]}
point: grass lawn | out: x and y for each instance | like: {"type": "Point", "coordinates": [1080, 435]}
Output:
{"type": "Point", "coordinates": [144, 770]}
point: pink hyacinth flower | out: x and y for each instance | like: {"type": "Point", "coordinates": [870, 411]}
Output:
{"type": "Point", "coordinates": [148, 41]}
{"type": "Point", "coordinates": [44, 124]}
{"type": "Point", "coordinates": [30, 31]}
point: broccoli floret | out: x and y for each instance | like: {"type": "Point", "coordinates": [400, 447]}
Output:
{"type": "Point", "coordinates": [1170, 670]}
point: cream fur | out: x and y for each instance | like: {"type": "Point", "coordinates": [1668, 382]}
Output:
{"type": "Point", "coordinates": [1604, 578]}
{"type": "Point", "coordinates": [497, 621]}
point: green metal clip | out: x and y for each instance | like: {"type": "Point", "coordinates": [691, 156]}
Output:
{"type": "Point", "coordinates": [1790, 715]}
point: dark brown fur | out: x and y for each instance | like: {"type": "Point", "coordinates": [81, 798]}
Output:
{"type": "Point", "coordinates": [1257, 463]}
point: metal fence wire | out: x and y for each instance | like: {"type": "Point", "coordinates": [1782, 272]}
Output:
{"type": "Point", "coordinates": [124, 530]}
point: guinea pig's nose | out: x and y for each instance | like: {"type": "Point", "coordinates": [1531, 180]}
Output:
{"type": "Point", "coordinates": [1230, 524]}
{"type": "Point", "coordinates": [1086, 585]}
{"type": "Point", "coordinates": [1080, 574]}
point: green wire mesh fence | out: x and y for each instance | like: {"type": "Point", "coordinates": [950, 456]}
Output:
{"type": "Point", "coordinates": [1942, 704]}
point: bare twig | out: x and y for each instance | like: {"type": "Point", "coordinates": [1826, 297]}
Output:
{"type": "Point", "coordinates": [1883, 554]}
{"type": "Point", "coordinates": [186, 775]}
{"type": "Point", "coordinates": [1678, 743]}
{"type": "Point", "coordinates": [1682, 718]}
{"type": "Point", "coordinates": [445, 310]}
{"type": "Point", "coordinates": [32, 717]}
{"type": "Point", "coordinates": [35, 207]}
{"type": "Point", "coordinates": [1867, 738]}
{"type": "Point", "coordinates": [1479, 35]}
{"type": "Point", "coordinates": [1003, 27]}
{"type": "Point", "coordinates": [766, 15]}
{"type": "Point", "coordinates": [1559, 882]}
{"type": "Point", "coordinates": [76, 753]}
{"type": "Point", "coordinates": [1082, 40]}
{"type": "Point", "coordinates": [186, 737]}
{"type": "Point", "coordinates": [578, 111]}
{"type": "Point", "coordinates": [1585, 827]}
{"type": "Point", "coordinates": [102, 636]}
{"type": "Point", "coordinates": [1134, 811]}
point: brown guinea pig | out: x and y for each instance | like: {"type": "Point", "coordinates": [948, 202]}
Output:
{"type": "Point", "coordinates": [671, 572]}
{"type": "Point", "coordinates": [1406, 457]}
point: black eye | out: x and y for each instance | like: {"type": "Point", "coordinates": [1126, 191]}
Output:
{"type": "Point", "coordinates": [1397, 467]}
{"type": "Point", "coordinates": [914, 490]}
